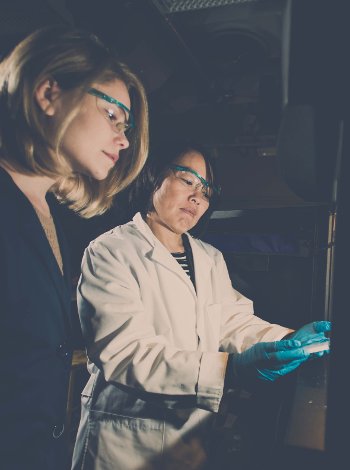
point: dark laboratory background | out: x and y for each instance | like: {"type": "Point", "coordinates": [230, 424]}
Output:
{"type": "Point", "coordinates": [262, 84]}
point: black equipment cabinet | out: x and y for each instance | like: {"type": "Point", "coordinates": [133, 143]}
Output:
{"type": "Point", "coordinates": [278, 258]}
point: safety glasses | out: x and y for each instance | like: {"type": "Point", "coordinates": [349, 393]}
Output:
{"type": "Point", "coordinates": [113, 111]}
{"type": "Point", "coordinates": [194, 181]}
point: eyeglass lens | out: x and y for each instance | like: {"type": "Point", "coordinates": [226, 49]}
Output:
{"type": "Point", "coordinates": [192, 182]}
{"type": "Point", "coordinates": [115, 115]}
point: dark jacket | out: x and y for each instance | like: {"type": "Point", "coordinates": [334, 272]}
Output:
{"type": "Point", "coordinates": [35, 337]}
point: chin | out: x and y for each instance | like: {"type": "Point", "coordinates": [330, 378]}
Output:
{"type": "Point", "coordinates": [99, 174]}
{"type": "Point", "coordinates": [183, 228]}
{"type": "Point", "coordinates": [100, 177]}
{"type": "Point", "coordinates": [189, 224]}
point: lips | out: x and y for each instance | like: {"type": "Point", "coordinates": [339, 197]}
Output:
{"type": "Point", "coordinates": [112, 156]}
{"type": "Point", "coordinates": [189, 211]}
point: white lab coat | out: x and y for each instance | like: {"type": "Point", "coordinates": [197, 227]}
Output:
{"type": "Point", "coordinates": [157, 350]}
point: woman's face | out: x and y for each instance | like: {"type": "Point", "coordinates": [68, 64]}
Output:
{"type": "Point", "coordinates": [92, 144]}
{"type": "Point", "coordinates": [178, 206]}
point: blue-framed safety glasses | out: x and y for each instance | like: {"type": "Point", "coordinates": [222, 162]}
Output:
{"type": "Point", "coordinates": [192, 179]}
{"type": "Point", "coordinates": [110, 113]}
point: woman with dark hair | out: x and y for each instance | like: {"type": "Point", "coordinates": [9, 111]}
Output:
{"type": "Point", "coordinates": [166, 333]}
{"type": "Point", "coordinates": [151, 178]}
{"type": "Point", "coordinates": [66, 106]}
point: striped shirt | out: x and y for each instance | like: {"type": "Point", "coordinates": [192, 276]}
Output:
{"type": "Point", "coordinates": [181, 258]}
{"type": "Point", "coordinates": [184, 262]}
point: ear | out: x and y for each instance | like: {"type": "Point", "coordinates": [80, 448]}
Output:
{"type": "Point", "coordinates": [46, 95]}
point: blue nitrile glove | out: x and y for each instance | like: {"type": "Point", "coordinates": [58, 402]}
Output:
{"type": "Point", "coordinates": [312, 333]}
{"type": "Point", "coordinates": [266, 361]}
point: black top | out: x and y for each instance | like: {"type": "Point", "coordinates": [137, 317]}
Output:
{"type": "Point", "coordinates": [35, 336]}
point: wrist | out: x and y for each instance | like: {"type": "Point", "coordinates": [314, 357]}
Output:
{"type": "Point", "coordinates": [230, 374]}
{"type": "Point", "coordinates": [289, 335]}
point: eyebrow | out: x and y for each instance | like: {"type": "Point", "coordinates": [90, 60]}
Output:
{"type": "Point", "coordinates": [186, 168]}
{"type": "Point", "coordinates": [215, 188]}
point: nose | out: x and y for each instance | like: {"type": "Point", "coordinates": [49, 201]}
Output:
{"type": "Point", "coordinates": [195, 198]}
{"type": "Point", "coordinates": [121, 140]}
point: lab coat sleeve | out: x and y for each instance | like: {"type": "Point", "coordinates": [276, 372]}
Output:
{"type": "Point", "coordinates": [123, 343]}
{"type": "Point", "coordinates": [240, 328]}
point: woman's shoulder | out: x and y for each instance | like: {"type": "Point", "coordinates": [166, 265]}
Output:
{"type": "Point", "coordinates": [121, 237]}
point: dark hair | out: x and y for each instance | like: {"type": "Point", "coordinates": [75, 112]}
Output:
{"type": "Point", "coordinates": [156, 170]}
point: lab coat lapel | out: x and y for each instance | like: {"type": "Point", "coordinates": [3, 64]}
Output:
{"type": "Point", "coordinates": [202, 268]}
{"type": "Point", "coordinates": [159, 254]}
{"type": "Point", "coordinates": [162, 256]}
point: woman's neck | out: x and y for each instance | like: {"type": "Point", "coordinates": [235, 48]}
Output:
{"type": "Point", "coordinates": [171, 240]}
{"type": "Point", "coordinates": [34, 188]}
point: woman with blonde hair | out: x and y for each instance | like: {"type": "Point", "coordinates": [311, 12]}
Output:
{"type": "Point", "coordinates": [73, 127]}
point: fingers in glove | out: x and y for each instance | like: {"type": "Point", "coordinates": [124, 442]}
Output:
{"type": "Point", "coordinates": [322, 326]}
{"type": "Point", "coordinates": [288, 356]}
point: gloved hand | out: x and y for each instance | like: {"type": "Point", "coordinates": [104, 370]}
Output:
{"type": "Point", "coordinates": [312, 333]}
{"type": "Point", "coordinates": [266, 361]}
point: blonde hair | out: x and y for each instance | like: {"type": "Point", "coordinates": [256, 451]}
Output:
{"type": "Point", "coordinates": [75, 59]}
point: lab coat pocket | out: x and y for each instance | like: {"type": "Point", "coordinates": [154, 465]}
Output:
{"type": "Point", "coordinates": [131, 441]}
{"type": "Point", "coordinates": [212, 322]}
